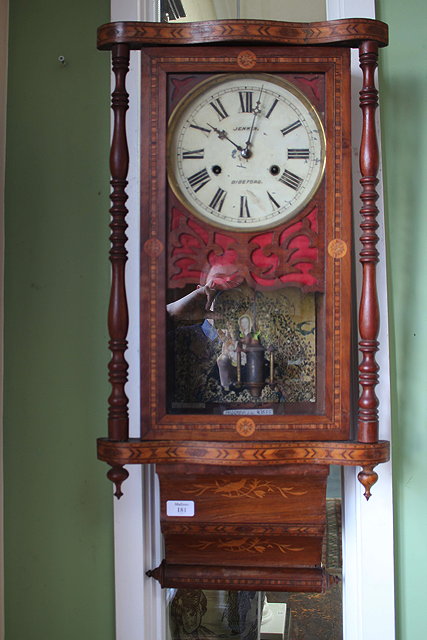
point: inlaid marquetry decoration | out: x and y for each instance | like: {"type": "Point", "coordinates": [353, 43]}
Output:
{"type": "Point", "coordinates": [337, 248]}
{"type": "Point", "coordinates": [247, 289]}
{"type": "Point", "coordinates": [246, 59]}
{"type": "Point", "coordinates": [243, 488]}
{"type": "Point", "coordinates": [245, 427]}
{"type": "Point", "coordinates": [246, 545]}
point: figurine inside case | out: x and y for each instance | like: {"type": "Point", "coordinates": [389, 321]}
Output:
{"type": "Point", "coordinates": [233, 348]}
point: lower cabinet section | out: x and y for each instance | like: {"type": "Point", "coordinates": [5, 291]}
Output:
{"type": "Point", "coordinates": [243, 528]}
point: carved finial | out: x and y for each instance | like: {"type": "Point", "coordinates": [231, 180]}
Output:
{"type": "Point", "coordinates": [328, 580]}
{"type": "Point", "coordinates": [118, 475]}
{"type": "Point", "coordinates": [368, 478]}
{"type": "Point", "coordinates": [158, 573]}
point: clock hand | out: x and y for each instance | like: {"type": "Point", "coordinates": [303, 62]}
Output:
{"type": "Point", "coordinates": [223, 135]}
{"type": "Point", "coordinates": [246, 153]}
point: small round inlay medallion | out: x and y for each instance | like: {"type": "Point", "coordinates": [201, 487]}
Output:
{"type": "Point", "coordinates": [245, 427]}
{"type": "Point", "coordinates": [153, 247]}
{"type": "Point", "coordinates": [246, 59]}
{"type": "Point", "coordinates": [337, 248]}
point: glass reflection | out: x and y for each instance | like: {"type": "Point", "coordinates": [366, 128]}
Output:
{"type": "Point", "coordinates": [229, 615]}
{"type": "Point", "coordinates": [250, 351]}
{"type": "Point", "coordinates": [194, 10]}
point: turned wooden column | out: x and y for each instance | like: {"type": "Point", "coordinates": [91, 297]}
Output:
{"type": "Point", "coordinates": [369, 318]}
{"type": "Point", "coordinates": [118, 318]}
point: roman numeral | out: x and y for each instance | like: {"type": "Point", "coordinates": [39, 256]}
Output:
{"type": "Point", "coordinates": [219, 108]}
{"type": "Point", "coordinates": [270, 111]}
{"type": "Point", "coordinates": [244, 209]}
{"type": "Point", "coordinates": [196, 154]}
{"type": "Point", "coordinates": [196, 126]}
{"type": "Point", "coordinates": [290, 179]}
{"type": "Point", "coordinates": [246, 101]}
{"type": "Point", "coordinates": [298, 154]}
{"type": "Point", "coordinates": [291, 127]}
{"type": "Point", "coordinates": [218, 199]}
{"type": "Point", "coordinates": [274, 202]}
{"type": "Point", "coordinates": [199, 179]}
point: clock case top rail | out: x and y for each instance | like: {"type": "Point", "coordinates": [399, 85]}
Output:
{"type": "Point", "coordinates": [347, 32]}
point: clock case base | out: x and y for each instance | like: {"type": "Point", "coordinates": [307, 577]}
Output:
{"type": "Point", "coordinates": [249, 519]}
{"type": "Point", "coordinates": [260, 509]}
{"type": "Point", "coordinates": [243, 462]}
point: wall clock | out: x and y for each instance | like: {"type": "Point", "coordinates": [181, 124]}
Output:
{"type": "Point", "coordinates": [247, 303]}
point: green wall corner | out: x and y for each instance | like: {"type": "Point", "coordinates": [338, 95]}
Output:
{"type": "Point", "coordinates": [58, 505]}
{"type": "Point", "coordinates": [403, 87]}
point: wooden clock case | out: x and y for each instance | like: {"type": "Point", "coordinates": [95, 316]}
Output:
{"type": "Point", "coordinates": [257, 483]}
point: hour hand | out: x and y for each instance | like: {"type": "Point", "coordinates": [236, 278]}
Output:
{"type": "Point", "coordinates": [223, 135]}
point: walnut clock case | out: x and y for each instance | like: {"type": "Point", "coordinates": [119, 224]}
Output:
{"type": "Point", "coordinates": [248, 373]}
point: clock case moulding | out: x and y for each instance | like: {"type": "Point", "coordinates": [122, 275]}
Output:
{"type": "Point", "coordinates": [258, 482]}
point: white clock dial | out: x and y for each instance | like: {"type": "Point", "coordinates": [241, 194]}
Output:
{"type": "Point", "coordinates": [245, 152]}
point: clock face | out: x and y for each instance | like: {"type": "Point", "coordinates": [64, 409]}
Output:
{"type": "Point", "coordinates": [245, 152]}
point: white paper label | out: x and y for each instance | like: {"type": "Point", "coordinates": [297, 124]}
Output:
{"type": "Point", "coordinates": [248, 412]}
{"type": "Point", "coordinates": [183, 508]}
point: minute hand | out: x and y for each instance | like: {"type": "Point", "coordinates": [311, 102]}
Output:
{"type": "Point", "coordinates": [246, 153]}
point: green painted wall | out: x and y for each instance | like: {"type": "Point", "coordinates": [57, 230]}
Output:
{"type": "Point", "coordinates": [58, 536]}
{"type": "Point", "coordinates": [404, 110]}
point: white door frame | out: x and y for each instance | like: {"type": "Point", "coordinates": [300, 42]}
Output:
{"type": "Point", "coordinates": [368, 565]}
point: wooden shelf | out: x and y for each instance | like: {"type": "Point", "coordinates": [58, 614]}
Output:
{"type": "Point", "coordinates": [136, 451]}
{"type": "Point", "coordinates": [240, 454]}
